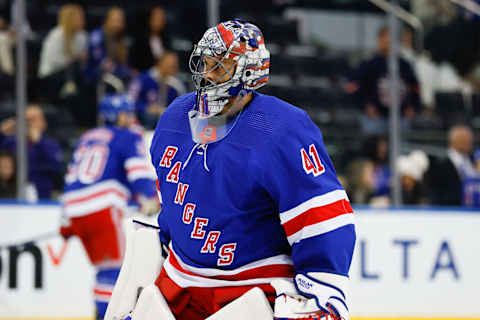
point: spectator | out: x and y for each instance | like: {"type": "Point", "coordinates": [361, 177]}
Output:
{"type": "Point", "coordinates": [169, 70]}
{"type": "Point", "coordinates": [63, 51]}
{"type": "Point", "coordinates": [411, 169]}
{"type": "Point", "coordinates": [371, 86]}
{"type": "Point", "coordinates": [8, 179]}
{"type": "Point", "coordinates": [434, 12]}
{"type": "Point", "coordinates": [155, 89]}
{"type": "Point", "coordinates": [378, 172]}
{"type": "Point", "coordinates": [447, 175]}
{"type": "Point", "coordinates": [476, 159]}
{"type": "Point", "coordinates": [471, 184]}
{"type": "Point", "coordinates": [107, 48]}
{"type": "Point", "coordinates": [458, 44]}
{"type": "Point", "coordinates": [360, 182]}
{"type": "Point", "coordinates": [407, 48]}
{"type": "Point", "coordinates": [150, 42]}
{"type": "Point", "coordinates": [426, 71]}
{"type": "Point", "coordinates": [44, 154]}
{"type": "Point", "coordinates": [370, 176]}
{"type": "Point", "coordinates": [7, 38]}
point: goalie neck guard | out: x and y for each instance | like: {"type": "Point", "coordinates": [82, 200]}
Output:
{"type": "Point", "coordinates": [229, 61]}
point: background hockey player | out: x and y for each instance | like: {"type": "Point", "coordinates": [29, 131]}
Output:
{"type": "Point", "coordinates": [107, 168]}
{"type": "Point", "coordinates": [250, 197]}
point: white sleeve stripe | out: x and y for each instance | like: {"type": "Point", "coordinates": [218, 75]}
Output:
{"type": "Point", "coordinates": [314, 202]}
{"type": "Point", "coordinates": [135, 162]}
{"type": "Point", "coordinates": [321, 228]}
{"type": "Point", "coordinates": [102, 297]}
{"type": "Point", "coordinates": [94, 205]}
{"type": "Point", "coordinates": [140, 174]}
{"type": "Point", "coordinates": [103, 287]}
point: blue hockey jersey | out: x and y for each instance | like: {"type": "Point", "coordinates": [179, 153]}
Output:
{"type": "Point", "coordinates": [261, 204]}
{"type": "Point", "coordinates": [108, 165]}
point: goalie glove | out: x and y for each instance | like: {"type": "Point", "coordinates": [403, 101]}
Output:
{"type": "Point", "coordinates": [309, 298]}
{"type": "Point", "coordinates": [148, 206]}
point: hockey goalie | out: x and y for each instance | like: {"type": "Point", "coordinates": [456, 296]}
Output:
{"type": "Point", "coordinates": [254, 221]}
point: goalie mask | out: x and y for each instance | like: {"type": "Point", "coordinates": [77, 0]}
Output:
{"type": "Point", "coordinates": [228, 62]}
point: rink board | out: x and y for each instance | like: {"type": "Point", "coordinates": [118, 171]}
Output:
{"type": "Point", "coordinates": [408, 264]}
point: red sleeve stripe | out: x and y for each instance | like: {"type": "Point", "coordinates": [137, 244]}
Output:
{"type": "Point", "coordinates": [317, 215]}
{"type": "Point", "coordinates": [317, 201]}
{"type": "Point", "coordinates": [321, 228]}
{"type": "Point", "coordinates": [102, 292]}
{"type": "Point", "coordinates": [96, 195]}
{"type": "Point", "coordinates": [144, 168]}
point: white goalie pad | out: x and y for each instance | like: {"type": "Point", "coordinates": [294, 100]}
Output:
{"type": "Point", "coordinates": [152, 306]}
{"type": "Point", "coordinates": [251, 305]}
{"type": "Point", "coordinates": [141, 266]}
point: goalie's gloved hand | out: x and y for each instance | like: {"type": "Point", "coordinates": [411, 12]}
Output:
{"type": "Point", "coordinates": [309, 298]}
{"type": "Point", "coordinates": [327, 296]}
{"type": "Point", "coordinates": [148, 206]}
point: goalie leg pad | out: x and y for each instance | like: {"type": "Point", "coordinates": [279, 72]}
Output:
{"type": "Point", "coordinates": [251, 305]}
{"type": "Point", "coordinates": [142, 263]}
{"type": "Point", "coordinates": [152, 306]}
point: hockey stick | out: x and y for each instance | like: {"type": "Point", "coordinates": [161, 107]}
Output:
{"type": "Point", "coordinates": [38, 238]}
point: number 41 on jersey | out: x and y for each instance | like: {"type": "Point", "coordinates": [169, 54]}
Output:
{"type": "Point", "coordinates": [311, 162]}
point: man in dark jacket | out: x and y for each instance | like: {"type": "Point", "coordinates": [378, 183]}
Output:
{"type": "Point", "coordinates": [370, 85]}
{"type": "Point", "coordinates": [445, 179]}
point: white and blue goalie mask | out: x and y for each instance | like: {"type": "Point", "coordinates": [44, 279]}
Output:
{"type": "Point", "coordinates": [229, 61]}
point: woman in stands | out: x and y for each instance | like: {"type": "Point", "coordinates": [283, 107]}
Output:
{"type": "Point", "coordinates": [63, 50]}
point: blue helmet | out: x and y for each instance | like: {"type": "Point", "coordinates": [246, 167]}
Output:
{"type": "Point", "coordinates": [111, 106]}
